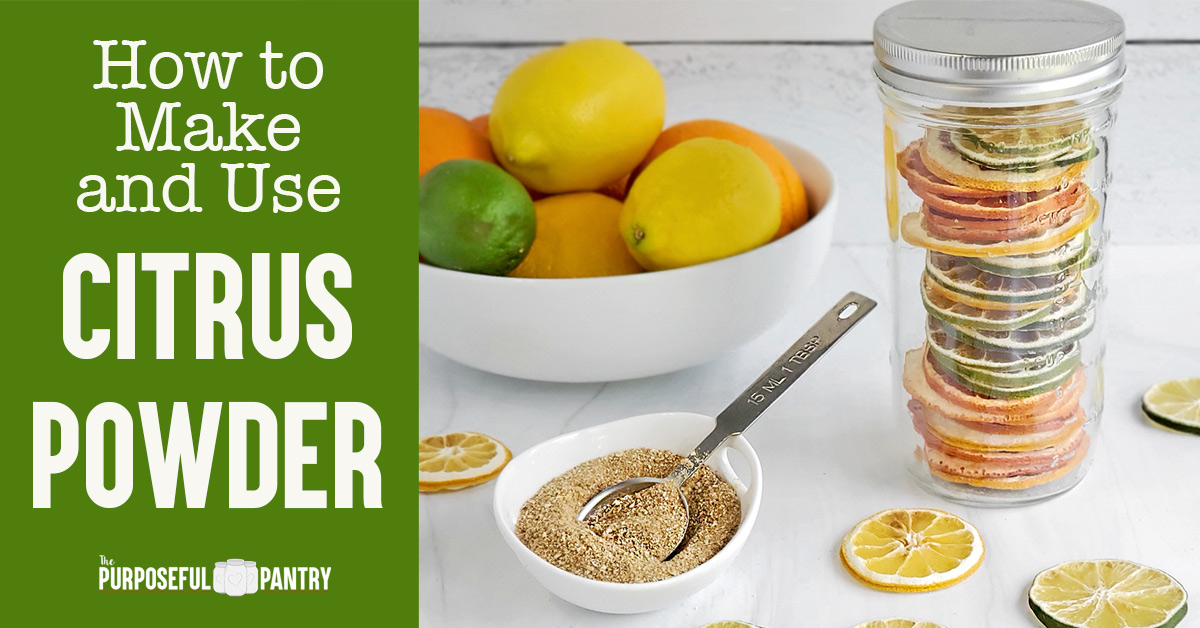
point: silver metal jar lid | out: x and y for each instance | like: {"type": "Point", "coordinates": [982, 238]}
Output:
{"type": "Point", "coordinates": [1013, 52]}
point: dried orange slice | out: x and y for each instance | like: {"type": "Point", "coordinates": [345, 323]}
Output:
{"type": "Point", "coordinates": [912, 549]}
{"type": "Point", "coordinates": [912, 228]}
{"type": "Point", "coordinates": [924, 182]}
{"type": "Point", "coordinates": [990, 231]}
{"type": "Point", "coordinates": [457, 460]}
{"type": "Point", "coordinates": [980, 409]}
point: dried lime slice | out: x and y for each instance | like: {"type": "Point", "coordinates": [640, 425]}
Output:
{"type": "Point", "coordinates": [960, 276]}
{"type": "Point", "coordinates": [1175, 404]}
{"type": "Point", "coordinates": [1028, 339]}
{"type": "Point", "coordinates": [1026, 139]}
{"type": "Point", "coordinates": [944, 345]}
{"type": "Point", "coordinates": [1106, 594]}
{"type": "Point", "coordinates": [1066, 257]}
{"type": "Point", "coordinates": [995, 387]}
{"type": "Point", "coordinates": [1082, 151]}
{"type": "Point", "coordinates": [967, 315]}
{"type": "Point", "coordinates": [1065, 361]}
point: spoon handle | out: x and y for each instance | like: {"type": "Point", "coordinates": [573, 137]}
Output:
{"type": "Point", "coordinates": [744, 410]}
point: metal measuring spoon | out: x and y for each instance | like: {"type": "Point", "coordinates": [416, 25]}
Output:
{"type": "Point", "coordinates": [748, 406]}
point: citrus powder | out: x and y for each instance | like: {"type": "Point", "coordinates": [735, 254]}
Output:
{"type": "Point", "coordinates": [626, 540]}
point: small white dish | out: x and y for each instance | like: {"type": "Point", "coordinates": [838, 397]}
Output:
{"type": "Point", "coordinates": [675, 431]}
{"type": "Point", "coordinates": [614, 328]}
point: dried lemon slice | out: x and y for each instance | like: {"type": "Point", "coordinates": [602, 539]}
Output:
{"type": "Point", "coordinates": [1106, 594]}
{"type": "Point", "coordinates": [897, 623]}
{"type": "Point", "coordinates": [912, 549]}
{"type": "Point", "coordinates": [449, 462]}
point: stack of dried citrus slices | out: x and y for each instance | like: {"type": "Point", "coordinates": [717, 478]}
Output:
{"type": "Point", "coordinates": [1004, 219]}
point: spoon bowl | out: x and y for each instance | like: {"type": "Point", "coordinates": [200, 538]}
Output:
{"type": "Point", "coordinates": [633, 485]}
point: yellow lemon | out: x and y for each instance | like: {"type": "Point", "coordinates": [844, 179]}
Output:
{"type": "Point", "coordinates": [577, 117]}
{"type": "Point", "coordinates": [699, 201]}
{"type": "Point", "coordinates": [577, 237]}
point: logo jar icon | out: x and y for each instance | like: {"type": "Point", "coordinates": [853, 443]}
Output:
{"type": "Point", "coordinates": [251, 576]}
{"type": "Point", "coordinates": [235, 577]}
{"type": "Point", "coordinates": [219, 577]}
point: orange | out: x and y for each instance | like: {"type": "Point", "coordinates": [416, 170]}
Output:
{"type": "Point", "coordinates": [794, 204]}
{"type": "Point", "coordinates": [444, 135]}
{"type": "Point", "coordinates": [480, 124]}
{"type": "Point", "coordinates": [617, 188]}
{"type": "Point", "coordinates": [577, 236]}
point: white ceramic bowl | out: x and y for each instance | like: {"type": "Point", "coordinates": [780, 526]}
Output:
{"type": "Point", "coordinates": [613, 328]}
{"type": "Point", "coordinates": [676, 431]}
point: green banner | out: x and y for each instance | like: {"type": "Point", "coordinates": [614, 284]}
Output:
{"type": "Point", "coordinates": [203, 311]}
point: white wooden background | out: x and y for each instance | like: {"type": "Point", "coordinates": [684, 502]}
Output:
{"type": "Point", "coordinates": [504, 21]}
{"type": "Point", "coordinates": [801, 70]}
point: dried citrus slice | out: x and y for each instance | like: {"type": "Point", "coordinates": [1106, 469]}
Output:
{"type": "Point", "coordinates": [1174, 404]}
{"type": "Point", "coordinates": [1057, 154]}
{"type": "Point", "coordinates": [965, 436]}
{"type": "Point", "coordinates": [925, 183]}
{"type": "Point", "coordinates": [1043, 336]}
{"type": "Point", "coordinates": [897, 623]}
{"type": "Point", "coordinates": [891, 184]}
{"type": "Point", "coordinates": [991, 231]}
{"type": "Point", "coordinates": [963, 406]}
{"type": "Point", "coordinates": [947, 163]}
{"type": "Point", "coordinates": [1033, 140]}
{"type": "Point", "coordinates": [1007, 473]}
{"type": "Point", "coordinates": [963, 314]}
{"type": "Point", "coordinates": [457, 460]}
{"type": "Point", "coordinates": [1035, 399]}
{"type": "Point", "coordinates": [1106, 594]}
{"type": "Point", "coordinates": [958, 275]}
{"type": "Point", "coordinates": [1004, 210]}
{"type": "Point", "coordinates": [988, 381]}
{"type": "Point", "coordinates": [912, 549]}
{"type": "Point", "coordinates": [912, 228]}
{"type": "Point", "coordinates": [1070, 255]}
{"type": "Point", "coordinates": [949, 346]}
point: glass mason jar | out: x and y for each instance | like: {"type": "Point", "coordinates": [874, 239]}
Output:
{"type": "Point", "coordinates": [996, 121]}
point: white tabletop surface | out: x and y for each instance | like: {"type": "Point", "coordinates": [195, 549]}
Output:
{"type": "Point", "coordinates": [831, 448]}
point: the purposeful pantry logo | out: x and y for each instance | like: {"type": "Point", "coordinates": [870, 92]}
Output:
{"type": "Point", "coordinates": [234, 577]}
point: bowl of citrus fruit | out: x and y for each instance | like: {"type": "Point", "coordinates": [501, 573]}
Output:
{"type": "Point", "coordinates": [571, 235]}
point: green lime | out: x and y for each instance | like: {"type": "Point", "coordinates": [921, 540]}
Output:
{"type": "Point", "coordinates": [474, 217]}
{"type": "Point", "coordinates": [1106, 594]}
{"type": "Point", "coordinates": [1175, 404]}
